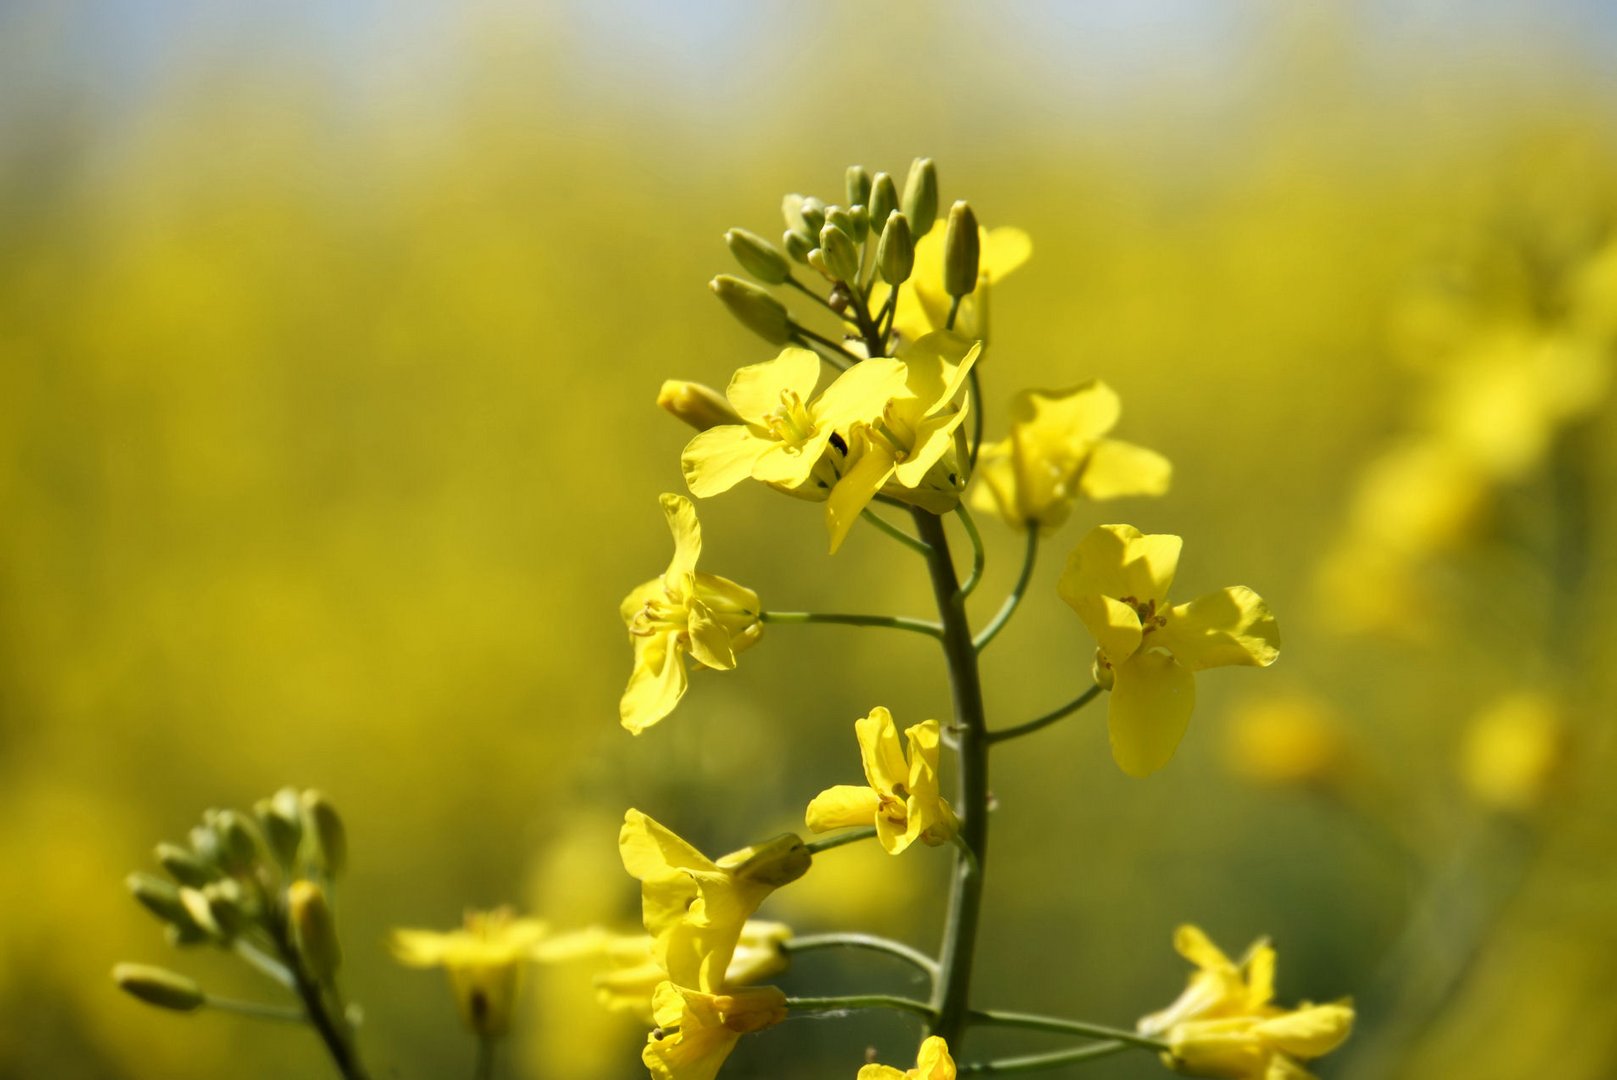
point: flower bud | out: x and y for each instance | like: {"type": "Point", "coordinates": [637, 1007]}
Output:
{"type": "Point", "coordinates": [883, 197]}
{"type": "Point", "coordinates": [921, 196]}
{"type": "Point", "coordinates": [841, 257]}
{"type": "Point", "coordinates": [161, 898]}
{"type": "Point", "coordinates": [962, 251]}
{"type": "Point", "coordinates": [183, 866]}
{"type": "Point", "coordinates": [859, 216]}
{"type": "Point", "coordinates": [701, 407]}
{"type": "Point", "coordinates": [280, 819]}
{"type": "Point", "coordinates": [314, 930]}
{"type": "Point", "coordinates": [895, 252]}
{"type": "Point", "coordinates": [757, 310]}
{"type": "Point", "coordinates": [813, 211]}
{"type": "Point", "coordinates": [774, 863]}
{"type": "Point", "coordinates": [797, 245]}
{"type": "Point", "coordinates": [159, 986]}
{"type": "Point", "coordinates": [816, 259]}
{"type": "Point", "coordinates": [325, 841]}
{"type": "Point", "coordinates": [757, 256]}
{"type": "Point", "coordinates": [856, 184]}
{"type": "Point", "coordinates": [839, 218]}
{"type": "Point", "coordinates": [239, 844]}
{"type": "Point", "coordinates": [791, 208]}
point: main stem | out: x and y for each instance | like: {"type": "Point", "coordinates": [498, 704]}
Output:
{"type": "Point", "coordinates": [950, 995]}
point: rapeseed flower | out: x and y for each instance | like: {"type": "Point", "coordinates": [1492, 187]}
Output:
{"type": "Point", "coordinates": [685, 612]}
{"type": "Point", "coordinates": [901, 798]}
{"type": "Point", "coordinates": [696, 1031]}
{"type": "Point", "coordinates": [1117, 581]}
{"type": "Point", "coordinates": [484, 962]}
{"type": "Point", "coordinates": [635, 973]}
{"type": "Point", "coordinates": [931, 1063]}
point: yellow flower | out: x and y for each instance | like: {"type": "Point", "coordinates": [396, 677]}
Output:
{"type": "Point", "coordinates": [784, 438]}
{"type": "Point", "coordinates": [932, 1063]}
{"type": "Point", "coordinates": [901, 799]}
{"type": "Point", "coordinates": [695, 907]}
{"type": "Point", "coordinates": [1512, 752]}
{"type": "Point", "coordinates": [696, 1031]}
{"type": "Point", "coordinates": [1219, 987]}
{"type": "Point", "coordinates": [1117, 580]}
{"type": "Point", "coordinates": [685, 611]}
{"type": "Point", "coordinates": [1057, 451]}
{"type": "Point", "coordinates": [910, 452]}
{"type": "Point", "coordinates": [483, 960]}
{"type": "Point", "coordinates": [923, 306]}
{"type": "Point", "coordinates": [635, 973]}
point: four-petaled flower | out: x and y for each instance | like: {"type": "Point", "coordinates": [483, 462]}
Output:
{"type": "Point", "coordinates": [635, 972]}
{"type": "Point", "coordinates": [901, 799]}
{"type": "Point", "coordinates": [1057, 452]}
{"type": "Point", "coordinates": [683, 612]}
{"type": "Point", "coordinates": [484, 961]}
{"type": "Point", "coordinates": [1117, 580]}
{"type": "Point", "coordinates": [931, 1063]}
{"type": "Point", "coordinates": [696, 1031]}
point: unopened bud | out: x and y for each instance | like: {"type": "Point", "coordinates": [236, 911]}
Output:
{"type": "Point", "coordinates": [325, 841]}
{"type": "Point", "coordinates": [962, 250]}
{"type": "Point", "coordinates": [797, 245]}
{"type": "Point", "coordinates": [859, 215]}
{"type": "Point", "coordinates": [228, 907]}
{"type": "Point", "coordinates": [280, 819]}
{"type": "Point", "coordinates": [856, 184]}
{"type": "Point", "coordinates": [239, 843]}
{"type": "Point", "coordinates": [883, 197]}
{"type": "Point", "coordinates": [813, 211]}
{"type": "Point", "coordinates": [757, 310]}
{"type": "Point", "coordinates": [183, 866]}
{"type": "Point", "coordinates": [701, 407]}
{"type": "Point", "coordinates": [314, 930]}
{"type": "Point", "coordinates": [841, 257]}
{"type": "Point", "coordinates": [921, 196]}
{"type": "Point", "coordinates": [159, 986]}
{"type": "Point", "coordinates": [791, 208]}
{"type": "Point", "coordinates": [757, 256]}
{"type": "Point", "coordinates": [895, 252]}
{"type": "Point", "coordinates": [161, 898]}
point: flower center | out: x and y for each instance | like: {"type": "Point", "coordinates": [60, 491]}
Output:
{"type": "Point", "coordinates": [1147, 612]}
{"type": "Point", "coordinates": [790, 422]}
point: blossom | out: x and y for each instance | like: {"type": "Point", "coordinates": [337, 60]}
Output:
{"type": "Point", "coordinates": [694, 907]}
{"type": "Point", "coordinates": [931, 1063]}
{"type": "Point", "coordinates": [784, 437]}
{"type": "Point", "coordinates": [635, 972]}
{"type": "Point", "coordinates": [901, 799]}
{"type": "Point", "coordinates": [1219, 987]}
{"type": "Point", "coordinates": [910, 451]}
{"type": "Point", "coordinates": [683, 612]}
{"type": "Point", "coordinates": [923, 305]}
{"type": "Point", "coordinates": [696, 1031]}
{"type": "Point", "coordinates": [483, 960]}
{"type": "Point", "coordinates": [1058, 451]}
{"type": "Point", "coordinates": [1117, 580]}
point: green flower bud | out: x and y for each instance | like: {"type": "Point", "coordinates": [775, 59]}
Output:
{"type": "Point", "coordinates": [816, 259]}
{"type": "Point", "coordinates": [841, 257]}
{"type": "Point", "coordinates": [895, 252]}
{"type": "Point", "coordinates": [227, 905]}
{"type": "Point", "coordinates": [701, 407]}
{"type": "Point", "coordinates": [791, 208]}
{"type": "Point", "coordinates": [883, 197]}
{"type": "Point", "coordinates": [797, 245]}
{"type": "Point", "coordinates": [280, 819]}
{"type": "Point", "coordinates": [813, 214]}
{"type": "Point", "coordinates": [205, 842]}
{"type": "Point", "coordinates": [161, 898]}
{"type": "Point", "coordinates": [159, 986]}
{"type": "Point", "coordinates": [325, 840]}
{"type": "Point", "coordinates": [185, 867]}
{"type": "Point", "coordinates": [756, 309]}
{"type": "Point", "coordinates": [240, 846]}
{"type": "Point", "coordinates": [200, 912]}
{"type": "Point", "coordinates": [856, 184]}
{"type": "Point", "coordinates": [860, 216]}
{"type": "Point", "coordinates": [314, 930]}
{"type": "Point", "coordinates": [838, 218]}
{"type": "Point", "coordinates": [757, 256]}
{"type": "Point", "coordinates": [921, 197]}
{"type": "Point", "coordinates": [961, 251]}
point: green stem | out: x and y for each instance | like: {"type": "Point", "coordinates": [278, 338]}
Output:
{"type": "Point", "coordinates": [1035, 1062]}
{"type": "Point", "coordinates": [1003, 616]}
{"type": "Point", "coordinates": [894, 531]}
{"type": "Point", "coordinates": [333, 1030]}
{"type": "Point", "coordinates": [950, 997]}
{"type": "Point", "coordinates": [894, 622]}
{"type": "Point", "coordinates": [1036, 1022]}
{"type": "Point", "coordinates": [1047, 719]}
{"type": "Point", "coordinates": [814, 847]}
{"type": "Point", "coordinates": [863, 941]}
{"type": "Point", "coordinates": [256, 1010]}
{"type": "Point", "coordinates": [809, 335]}
{"type": "Point", "coordinates": [860, 1001]}
{"type": "Point", "coordinates": [263, 962]}
{"type": "Point", "coordinates": [816, 297]}
{"type": "Point", "coordinates": [978, 557]}
{"type": "Point", "coordinates": [483, 1069]}
{"type": "Point", "coordinates": [974, 387]}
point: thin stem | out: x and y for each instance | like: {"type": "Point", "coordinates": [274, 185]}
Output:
{"type": "Point", "coordinates": [256, 1010]}
{"type": "Point", "coordinates": [1047, 719]}
{"type": "Point", "coordinates": [263, 962]}
{"type": "Point", "coordinates": [863, 941]}
{"type": "Point", "coordinates": [333, 1031]}
{"type": "Point", "coordinates": [814, 847]}
{"type": "Point", "coordinates": [1035, 1062]}
{"type": "Point", "coordinates": [954, 312]}
{"type": "Point", "coordinates": [806, 334]}
{"type": "Point", "coordinates": [894, 531]}
{"type": "Point", "coordinates": [860, 1001]}
{"type": "Point", "coordinates": [1008, 609]}
{"type": "Point", "coordinates": [974, 387]}
{"type": "Point", "coordinates": [888, 312]}
{"type": "Point", "coordinates": [483, 1069]}
{"type": "Point", "coordinates": [1035, 1022]}
{"type": "Point", "coordinates": [894, 622]}
{"type": "Point", "coordinates": [978, 557]}
{"type": "Point", "coordinates": [816, 297]}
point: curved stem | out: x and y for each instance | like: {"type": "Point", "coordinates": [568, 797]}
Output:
{"type": "Point", "coordinates": [1047, 719]}
{"type": "Point", "coordinates": [860, 1001]}
{"type": "Point", "coordinates": [893, 622]}
{"type": "Point", "coordinates": [263, 962]}
{"type": "Point", "coordinates": [1003, 616]}
{"type": "Point", "coordinates": [256, 1010]}
{"type": "Point", "coordinates": [814, 847]}
{"type": "Point", "coordinates": [808, 335]}
{"type": "Point", "coordinates": [863, 941]}
{"type": "Point", "coordinates": [1053, 1060]}
{"type": "Point", "coordinates": [979, 558]}
{"type": "Point", "coordinates": [894, 531]}
{"type": "Point", "coordinates": [1035, 1022]}
{"type": "Point", "coordinates": [974, 387]}
{"type": "Point", "coordinates": [816, 297]}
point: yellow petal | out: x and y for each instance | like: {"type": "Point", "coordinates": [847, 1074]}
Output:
{"type": "Point", "coordinates": [710, 642]}
{"type": "Point", "coordinates": [1310, 1031]}
{"type": "Point", "coordinates": [1191, 942]}
{"type": "Point", "coordinates": [719, 458]}
{"type": "Point", "coordinates": [934, 1062]}
{"type": "Point", "coordinates": [756, 389]}
{"type": "Point", "coordinates": [1003, 250]}
{"type": "Point", "coordinates": [879, 1072]}
{"type": "Point", "coordinates": [1119, 561]}
{"type": "Point", "coordinates": [841, 807]}
{"type": "Point", "coordinates": [787, 466]}
{"type": "Point", "coordinates": [652, 852]}
{"type": "Point", "coordinates": [861, 392]}
{"type": "Point", "coordinates": [1231, 626]}
{"type": "Point", "coordinates": [1116, 469]}
{"type": "Point", "coordinates": [1260, 976]}
{"type": "Point", "coordinates": [1152, 698]}
{"type": "Point", "coordinates": [933, 439]}
{"type": "Point", "coordinates": [419, 948]}
{"type": "Point", "coordinates": [854, 491]}
{"type": "Point", "coordinates": [656, 684]}
{"type": "Point", "coordinates": [681, 515]}
{"type": "Point", "coordinates": [879, 750]}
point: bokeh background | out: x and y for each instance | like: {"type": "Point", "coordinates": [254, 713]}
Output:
{"type": "Point", "coordinates": [329, 339]}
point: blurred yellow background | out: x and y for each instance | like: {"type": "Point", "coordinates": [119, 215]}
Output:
{"type": "Point", "coordinates": [329, 340]}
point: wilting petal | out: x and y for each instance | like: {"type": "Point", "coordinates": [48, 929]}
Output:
{"type": "Point", "coordinates": [719, 458]}
{"type": "Point", "coordinates": [681, 515]}
{"type": "Point", "coordinates": [1152, 698]}
{"type": "Point", "coordinates": [756, 389]}
{"type": "Point", "coordinates": [842, 807]}
{"type": "Point", "coordinates": [1117, 469]}
{"type": "Point", "coordinates": [1231, 626]}
{"type": "Point", "coordinates": [656, 684]}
